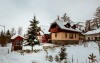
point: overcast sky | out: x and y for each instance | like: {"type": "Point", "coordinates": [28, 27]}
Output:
{"type": "Point", "coordinates": [18, 13]}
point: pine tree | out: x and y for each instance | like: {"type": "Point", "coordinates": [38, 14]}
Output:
{"type": "Point", "coordinates": [63, 54]}
{"type": "Point", "coordinates": [2, 33]}
{"type": "Point", "coordinates": [8, 35]}
{"type": "Point", "coordinates": [3, 39]}
{"type": "Point", "coordinates": [32, 32]}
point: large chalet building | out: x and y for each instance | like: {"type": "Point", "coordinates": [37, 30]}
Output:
{"type": "Point", "coordinates": [65, 31]}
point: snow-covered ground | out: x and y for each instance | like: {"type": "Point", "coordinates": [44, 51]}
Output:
{"type": "Point", "coordinates": [79, 53]}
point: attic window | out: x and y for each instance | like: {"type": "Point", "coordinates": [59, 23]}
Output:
{"type": "Point", "coordinates": [74, 26]}
{"type": "Point", "coordinates": [67, 25]}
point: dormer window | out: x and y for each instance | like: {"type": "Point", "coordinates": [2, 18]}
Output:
{"type": "Point", "coordinates": [74, 26]}
{"type": "Point", "coordinates": [67, 25]}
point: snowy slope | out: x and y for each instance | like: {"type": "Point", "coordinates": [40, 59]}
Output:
{"type": "Point", "coordinates": [79, 53]}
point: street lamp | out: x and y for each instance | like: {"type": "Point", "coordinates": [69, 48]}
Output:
{"type": "Point", "coordinates": [3, 27]}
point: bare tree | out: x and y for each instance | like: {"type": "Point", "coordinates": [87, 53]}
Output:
{"type": "Point", "coordinates": [20, 30]}
{"type": "Point", "coordinates": [13, 31]}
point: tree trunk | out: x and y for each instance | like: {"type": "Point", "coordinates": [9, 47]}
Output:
{"type": "Point", "coordinates": [32, 47]}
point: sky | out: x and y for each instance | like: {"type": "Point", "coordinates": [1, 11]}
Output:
{"type": "Point", "coordinates": [18, 13]}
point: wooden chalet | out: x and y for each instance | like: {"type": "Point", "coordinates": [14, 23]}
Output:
{"type": "Point", "coordinates": [17, 42]}
{"type": "Point", "coordinates": [64, 31]}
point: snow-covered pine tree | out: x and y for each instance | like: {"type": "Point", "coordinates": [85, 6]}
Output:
{"type": "Point", "coordinates": [32, 32]}
{"type": "Point", "coordinates": [63, 54]}
{"type": "Point", "coordinates": [50, 58]}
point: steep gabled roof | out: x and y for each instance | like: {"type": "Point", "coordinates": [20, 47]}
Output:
{"type": "Point", "coordinates": [61, 25]}
{"type": "Point", "coordinates": [63, 22]}
{"type": "Point", "coordinates": [93, 32]}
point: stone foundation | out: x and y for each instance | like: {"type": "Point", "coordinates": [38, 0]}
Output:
{"type": "Point", "coordinates": [65, 42]}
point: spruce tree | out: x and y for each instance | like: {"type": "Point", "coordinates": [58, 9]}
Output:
{"type": "Point", "coordinates": [3, 39]}
{"type": "Point", "coordinates": [32, 32]}
{"type": "Point", "coordinates": [8, 35]}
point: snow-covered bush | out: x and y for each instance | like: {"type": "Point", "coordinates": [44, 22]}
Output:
{"type": "Point", "coordinates": [57, 58]}
{"type": "Point", "coordinates": [46, 57]}
{"type": "Point", "coordinates": [50, 58]}
{"type": "Point", "coordinates": [28, 51]}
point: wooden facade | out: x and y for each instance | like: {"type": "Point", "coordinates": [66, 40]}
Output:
{"type": "Point", "coordinates": [93, 37]}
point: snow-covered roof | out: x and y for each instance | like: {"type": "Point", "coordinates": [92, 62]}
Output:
{"type": "Point", "coordinates": [13, 37]}
{"type": "Point", "coordinates": [93, 31]}
{"type": "Point", "coordinates": [62, 23]}
{"type": "Point", "coordinates": [41, 33]}
{"type": "Point", "coordinates": [44, 30]}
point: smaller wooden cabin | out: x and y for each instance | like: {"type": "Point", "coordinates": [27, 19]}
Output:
{"type": "Point", "coordinates": [44, 34]}
{"type": "Point", "coordinates": [17, 42]}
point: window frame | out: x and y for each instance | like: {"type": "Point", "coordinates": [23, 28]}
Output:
{"type": "Point", "coordinates": [55, 34]}
{"type": "Point", "coordinates": [71, 36]}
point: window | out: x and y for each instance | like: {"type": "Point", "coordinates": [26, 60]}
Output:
{"type": "Point", "coordinates": [71, 36]}
{"type": "Point", "coordinates": [55, 34]}
{"type": "Point", "coordinates": [88, 38]}
{"type": "Point", "coordinates": [91, 38]}
{"type": "Point", "coordinates": [65, 35]}
{"type": "Point", "coordinates": [75, 35]}
{"type": "Point", "coordinates": [99, 38]}
{"type": "Point", "coordinates": [96, 38]}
